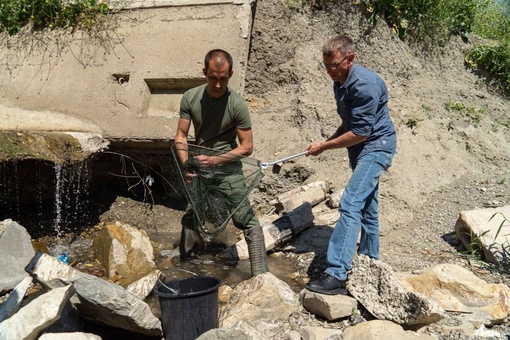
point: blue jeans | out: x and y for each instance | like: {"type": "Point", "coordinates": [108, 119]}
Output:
{"type": "Point", "coordinates": [358, 209]}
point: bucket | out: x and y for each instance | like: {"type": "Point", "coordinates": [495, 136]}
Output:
{"type": "Point", "coordinates": [189, 307]}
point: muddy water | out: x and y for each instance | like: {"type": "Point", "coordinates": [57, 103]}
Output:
{"type": "Point", "coordinates": [230, 273]}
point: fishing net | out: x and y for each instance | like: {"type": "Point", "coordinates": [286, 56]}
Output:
{"type": "Point", "coordinates": [216, 193]}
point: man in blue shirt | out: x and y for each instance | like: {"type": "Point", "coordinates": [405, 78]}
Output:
{"type": "Point", "coordinates": [369, 136]}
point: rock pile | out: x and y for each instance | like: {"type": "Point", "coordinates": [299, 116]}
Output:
{"type": "Point", "coordinates": [426, 304]}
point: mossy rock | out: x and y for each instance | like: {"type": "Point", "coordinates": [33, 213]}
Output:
{"type": "Point", "coordinates": [56, 147]}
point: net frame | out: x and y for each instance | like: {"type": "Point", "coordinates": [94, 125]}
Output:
{"type": "Point", "coordinates": [211, 211]}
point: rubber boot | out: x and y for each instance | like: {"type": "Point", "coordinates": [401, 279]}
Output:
{"type": "Point", "coordinates": [190, 238]}
{"type": "Point", "coordinates": [257, 250]}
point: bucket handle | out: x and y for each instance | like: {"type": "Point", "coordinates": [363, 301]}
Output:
{"type": "Point", "coordinates": [173, 291]}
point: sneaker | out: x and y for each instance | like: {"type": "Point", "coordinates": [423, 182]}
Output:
{"type": "Point", "coordinates": [327, 284]}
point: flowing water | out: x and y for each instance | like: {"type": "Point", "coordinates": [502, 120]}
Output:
{"type": "Point", "coordinates": [71, 194]}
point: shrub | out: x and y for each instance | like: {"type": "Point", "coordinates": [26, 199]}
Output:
{"type": "Point", "coordinates": [495, 59]}
{"type": "Point", "coordinates": [430, 22]}
{"type": "Point", "coordinates": [492, 20]}
{"type": "Point", "coordinates": [424, 19]}
{"type": "Point", "coordinates": [14, 14]}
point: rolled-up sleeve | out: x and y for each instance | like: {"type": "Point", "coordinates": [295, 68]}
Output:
{"type": "Point", "coordinates": [364, 107]}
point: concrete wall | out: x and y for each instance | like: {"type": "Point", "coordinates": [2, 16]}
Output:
{"type": "Point", "coordinates": [125, 80]}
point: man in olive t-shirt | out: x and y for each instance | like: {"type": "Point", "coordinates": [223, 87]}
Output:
{"type": "Point", "coordinates": [216, 120]}
{"type": "Point", "coordinates": [221, 121]}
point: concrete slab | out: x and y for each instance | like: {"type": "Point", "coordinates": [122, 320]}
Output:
{"type": "Point", "coordinates": [126, 79]}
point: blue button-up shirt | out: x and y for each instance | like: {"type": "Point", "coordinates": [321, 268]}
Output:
{"type": "Point", "coordinates": [362, 103]}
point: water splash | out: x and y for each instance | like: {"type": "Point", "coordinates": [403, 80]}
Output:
{"type": "Point", "coordinates": [59, 179]}
{"type": "Point", "coordinates": [71, 195]}
{"type": "Point", "coordinates": [40, 197]}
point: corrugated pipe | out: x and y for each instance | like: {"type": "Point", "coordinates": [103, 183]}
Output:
{"type": "Point", "coordinates": [257, 250]}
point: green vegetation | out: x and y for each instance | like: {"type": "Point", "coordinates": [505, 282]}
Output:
{"type": "Point", "coordinates": [424, 19]}
{"type": "Point", "coordinates": [492, 20]}
{"type": "Point", "coordinates": [494, 59]}
{"type": "Point", "coordinates": [14, 14]}
{"type": "Point", "coordinates": [504, 223]}
{"type": "Point", "coordinates": [52, 146]}
{"type": "Point", "coordinates": [497, 123]}
{"type": "Point", "coordinates": [474, 249]}
{"type": "Point", "coordinates": [474, 114]}
{"type": "Point", "coordinates": [290, 5]}
{"type": "Point", "coordinates": [426, 108]}
{"type": "Point", "coordinates": [431, 22]}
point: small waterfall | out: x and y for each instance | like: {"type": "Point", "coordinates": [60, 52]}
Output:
{"type": "Point", "coordinates": [40, 196]}
{"type": "Point", "coordinates": [45, 197]}
{"type": "Point", "coordinates": [71, 195]}
{"type": "Point", "coordinates": [59, 179]}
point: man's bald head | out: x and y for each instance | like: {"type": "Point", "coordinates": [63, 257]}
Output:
{"type": "Point", "coordinates": [219, 57]}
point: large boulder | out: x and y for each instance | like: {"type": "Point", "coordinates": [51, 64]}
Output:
{"type": "Point", "coordinates": [457, 289]}
{"type": "Point", "coordinates": [263, 298]}
{"type": "Point", "coordinates": [97, 300]}
{"type": "Point", "coordinates": [125, 252]}
{"type": "Point", "coordinates": [16, 251]}
{"type": "Point", "coordinates": [39, 314]}
{"type": "Point", "coordinates": [375, 285]}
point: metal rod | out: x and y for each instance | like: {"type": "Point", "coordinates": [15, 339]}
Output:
{"type": "Point", "coordinates": [267, 165]}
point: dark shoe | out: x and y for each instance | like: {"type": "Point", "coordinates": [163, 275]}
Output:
{"type": "Point", "coordinates": [327, 284]}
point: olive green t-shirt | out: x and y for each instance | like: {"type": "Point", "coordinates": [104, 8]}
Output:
{"type": "Point", "coordinates": [215, 119]}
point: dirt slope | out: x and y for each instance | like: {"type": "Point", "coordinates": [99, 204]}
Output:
{"type": "Point", "coordinates": [447, 161]}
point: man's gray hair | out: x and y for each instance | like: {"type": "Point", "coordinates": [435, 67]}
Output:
{"type": "Point", "coordinates": [340, 43]}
